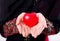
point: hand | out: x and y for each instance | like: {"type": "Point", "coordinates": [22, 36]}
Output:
{"type": "Point", "coordinates": [37, 29]}
{"type": "Point", "coordinates": [22, 28]}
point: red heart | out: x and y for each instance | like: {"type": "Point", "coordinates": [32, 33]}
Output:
{"type": "Point", "coordinates": [30, 19]}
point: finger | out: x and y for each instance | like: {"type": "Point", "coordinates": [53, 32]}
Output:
{"type": "Point", "coordinates": [42, 19]}
{"type": "Point", "coordinates": [19, 28]}
{"type": "Point", "coordinates": [19, 18]}
{"type": "Point", "coordinates": [23, 31]}
{"type": "Point", "coordinates": [37, 30]}
{"type": "Point", "coordinates": [27, 30]}
{"type": "Point", "coordinates": [33, 32]}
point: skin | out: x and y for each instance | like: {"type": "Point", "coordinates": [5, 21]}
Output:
{"type": "Point", "coordinates": [35, 30]}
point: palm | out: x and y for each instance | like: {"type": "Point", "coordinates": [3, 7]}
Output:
{"type": "Point", "coordinates": [35, 30]}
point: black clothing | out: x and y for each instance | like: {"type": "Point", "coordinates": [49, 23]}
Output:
{"type": "Point", "coordinates": [10, 9]}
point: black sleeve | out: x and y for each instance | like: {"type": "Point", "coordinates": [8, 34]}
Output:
{"type": "Point", "coordinates": [51, 10]}
{"type": "Point", "coordinates": [55, 15]}
{"type": "Point", "coordinates": [45, 6]}
{"type": "Point", "coordinates": [3, 11]}
{"type": "Point", "coordinates": [10, 9]}
{"type": "Point", "coordinates": [55, 12]}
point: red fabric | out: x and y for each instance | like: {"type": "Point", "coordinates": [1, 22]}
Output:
{"type": "Point", "coordinates": [46, 39]}
{"type": "Point", "coordinates": [53, 32]}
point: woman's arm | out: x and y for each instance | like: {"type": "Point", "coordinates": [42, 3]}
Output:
{"type": "Point", "coordinates": [3, 12]}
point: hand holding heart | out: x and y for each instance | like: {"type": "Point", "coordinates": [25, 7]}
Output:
{"type": "Point", "coordinates": [37, 29]}
{"type": "Point", "coordinates": [22, 28]}
{"type": "Point", "coordinates": [34, 26]}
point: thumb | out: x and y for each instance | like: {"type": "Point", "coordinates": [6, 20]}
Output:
{"type": "Point", "coordinates": [19, 18]}
{"type": "Point", "coordinates": [42, 19]}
